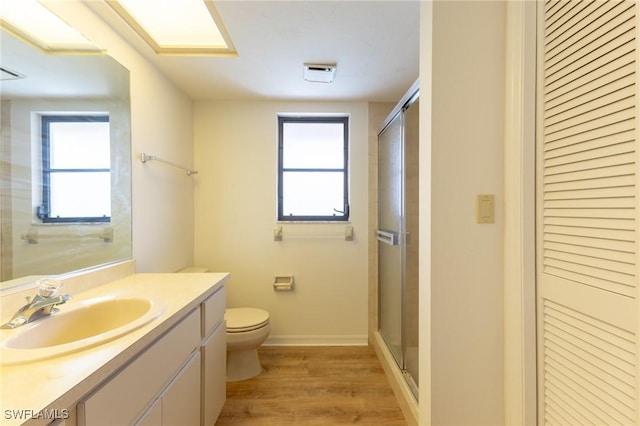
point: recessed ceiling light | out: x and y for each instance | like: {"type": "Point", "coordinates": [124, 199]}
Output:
{"type": "Point", "coordinates": [177, 27]}
{"type": "Point", "coordinates": [31, 21]}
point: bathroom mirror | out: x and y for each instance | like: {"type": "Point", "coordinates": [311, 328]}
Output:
{"type": "Point", "coordinates": [48, 232]}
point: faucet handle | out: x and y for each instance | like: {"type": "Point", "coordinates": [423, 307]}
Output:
{"type": "Point", "coordinates": [48, 287]}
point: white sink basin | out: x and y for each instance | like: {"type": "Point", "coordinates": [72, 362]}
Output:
{"type": "Point", "coordinates": [78, 326]}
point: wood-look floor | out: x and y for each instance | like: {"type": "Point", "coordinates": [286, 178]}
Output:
{"type": "Point", "coordinates": [314, 386]}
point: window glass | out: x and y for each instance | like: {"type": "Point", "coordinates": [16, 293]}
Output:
{"type": "Point", "coordinates": [312, 193]}
{"type": "Point", "coordinates": [313, 145]}
{"type": "Point", "coordinates": [80, 194]}
{"type": "Point", "coordinates": [79, 145]}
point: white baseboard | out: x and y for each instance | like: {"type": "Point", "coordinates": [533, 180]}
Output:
{"type": "Point", "coordinates": [313, 340]}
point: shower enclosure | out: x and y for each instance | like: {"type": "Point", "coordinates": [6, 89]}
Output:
{"type": "Point", "coordinates": [397, 235]}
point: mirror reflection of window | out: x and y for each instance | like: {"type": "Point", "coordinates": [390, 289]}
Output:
{"type": "Point", "coordinates": [60, 84]}
{"type": "Point", "coordinates": [76, 169]}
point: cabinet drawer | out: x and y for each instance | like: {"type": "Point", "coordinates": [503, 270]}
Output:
{"type": "Point", "coordinates": [123, 398]}
{"type": "Point", "coordinates": [213, 311]}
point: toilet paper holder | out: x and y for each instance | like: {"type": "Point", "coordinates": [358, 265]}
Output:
{"type": "Point", "coordinates": [283, 283]}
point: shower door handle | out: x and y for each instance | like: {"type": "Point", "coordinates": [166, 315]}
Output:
{"type": "Point", "coordinates": [390, 238]}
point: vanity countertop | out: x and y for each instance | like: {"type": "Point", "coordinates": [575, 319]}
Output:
{"type": "Point", "coordinates": [31, 391]}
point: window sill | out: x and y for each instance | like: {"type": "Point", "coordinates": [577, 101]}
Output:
{"type": "Point", "coordinates": [67, 224]}
{"type": "Point", "coordinates": [314, 222]}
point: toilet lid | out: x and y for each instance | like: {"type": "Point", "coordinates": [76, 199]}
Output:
{"type": "Point", "coordinates": [245, 319]}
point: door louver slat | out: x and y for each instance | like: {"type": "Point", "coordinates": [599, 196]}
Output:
{"type": "Point", "coordinates": [619, 256]}
{"type": "Point", "coordinates": [589, 40]}
{"type": "Point", "coordinates": [597, 29]}
{"type": "Point", "coordinates": [597, 133]}
{"type": "Point", "coordinates": [610, 245]}
{"type": "Point", "coordinates": [586, 117]}
{"type": "Point", "coordinates": [592, 213]}
{"type": "Point", "coordinates": [592, 62]}
{"type": "Point", "coordinates": [595, 173]}
{"type": "Point", "coordinates": [611, 76]}
{"type": "Point", "coordinates": [571, 13]}
{"type": "Point", "coordinates": [606, 182]}
{"type": "Point", "coordinates": [591, 164]}
{"type": "Point", "coordinates": [589, 145]}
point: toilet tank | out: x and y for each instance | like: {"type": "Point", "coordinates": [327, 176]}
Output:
{"type": "Point", "coordinates": [199, 269]}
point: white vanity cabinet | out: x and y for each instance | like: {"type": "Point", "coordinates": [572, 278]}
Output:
{"type": "Point", "coordinates": [178, 380]}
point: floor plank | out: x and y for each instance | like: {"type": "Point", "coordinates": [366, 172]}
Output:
{"type": "Point", "coordinates": [314, 385]}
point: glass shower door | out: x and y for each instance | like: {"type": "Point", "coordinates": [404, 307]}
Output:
{"type": "Point", "coordinates": [397, 234]}
{"type": "Point", "coordinates": [390, 263]}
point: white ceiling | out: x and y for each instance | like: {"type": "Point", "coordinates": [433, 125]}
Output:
{"type": "Point", "coordinates": [374, 44]}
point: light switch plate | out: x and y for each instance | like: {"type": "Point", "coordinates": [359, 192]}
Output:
{"type": "Point", "coordinates": [485, 208]}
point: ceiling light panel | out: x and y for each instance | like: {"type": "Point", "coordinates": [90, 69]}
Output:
{"type": "Point", "coordinates": [34, 23]}
{"type": "Point", "coordinates": [176, 26]}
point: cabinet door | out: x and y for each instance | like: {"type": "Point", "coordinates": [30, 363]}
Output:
{"type": "Point", "coordinates": [214, 374]}
{"type": "Point", "coordinates": [153, 417]}
{"type": "Point", "coordinates": [181, 402]}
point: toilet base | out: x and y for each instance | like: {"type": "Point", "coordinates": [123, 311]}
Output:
{"type": "Point", "coordinates": [243, 365]}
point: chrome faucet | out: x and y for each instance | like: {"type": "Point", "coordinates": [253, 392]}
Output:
{"type": "Point", "coordinates": [43, 304]}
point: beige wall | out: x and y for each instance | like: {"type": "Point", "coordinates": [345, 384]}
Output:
{"type": "Point", "coordinates": [161, 125]}
{"type": "Point", "coordinates": [462, 72]}
{"type": "Point", "coordinates": [236, 147]}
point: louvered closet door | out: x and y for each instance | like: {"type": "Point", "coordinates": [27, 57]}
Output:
{"type": "Point", "coordinates": [588, 214]}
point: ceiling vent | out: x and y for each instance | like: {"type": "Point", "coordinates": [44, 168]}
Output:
{"type": "Point", "coordinates": [319, 73]}
{"type": "Point", "coordinates": [7, 74]}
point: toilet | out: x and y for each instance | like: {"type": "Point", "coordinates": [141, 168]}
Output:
{"type": "Point", "coordinates": [247, 328]}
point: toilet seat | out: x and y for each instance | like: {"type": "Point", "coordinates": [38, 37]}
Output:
{"type": "Point", "coordinates": [241, 320]}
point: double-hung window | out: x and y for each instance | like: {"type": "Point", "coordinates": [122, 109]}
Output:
{"type": "Point", "coordinates": [76, 169]}
{"type": "Point", "coordinates": [313, 168]}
